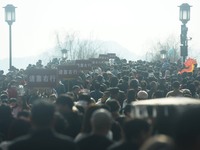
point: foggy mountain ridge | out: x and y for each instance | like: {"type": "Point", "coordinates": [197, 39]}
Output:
{"type": "Point", "coordinates": [106, 47]}
{"type": "Point", "coordinates": [121, 52]}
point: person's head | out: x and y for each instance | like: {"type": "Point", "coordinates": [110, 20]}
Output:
{"type": "Point", "coordinates": [114, 81]}
{"type": "Point", "coordinates": [197, 84]}
{"type": "Point", "coordinates": [143, 84]}
{"type": "Point", "coordinates": [113, 105]}
{"type": "Point", "coordinates": [76, 89]}
{"type": "Point", "coordinates": [84, 101]}
{"type": "Point", "coordinates": [64, 103]}
{"type": "Point", "coordinates": [142, 95]}
{"type": "Point", "coordinates": [125, 78]}
{"type": "Point", "coordinates": [136, 131]}
{"type": "Point", "coordinates": [85, 97]}
{"type": "Point", "coordinates": [101, 121]}
{"type": "Point", "coordinates": [3, 99]}
{"type": "Point", "coordinates": [134, 84]}
{"type": "Point", "coordinates": [176, 85]}
{"type": "Point", "coordinates": [100, 78]}
{"type": "Point", "coordinates": [52, 98]}
{"type": "Point", "coordinates": [42, 114]}
{"type": "Point", "coordinates": [97, 85]}
{"type": "Point", "coordinates": [131, 95]}
{"type": "Point", "coordinates": [154, 85]}
{"type": "Point", "coordinates": [192, 89]}
{"type": "Point", "coordinates": [114, 91]}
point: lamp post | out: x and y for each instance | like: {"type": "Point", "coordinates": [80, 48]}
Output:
{"type": "Point", "coordinates": [64, 53]}
{"type": "Point", "coordinates": [184, 17]}
{"type": "Point", "coordinates": [163, 54]}
{"type": "Point", "coordinates": [10, 18]}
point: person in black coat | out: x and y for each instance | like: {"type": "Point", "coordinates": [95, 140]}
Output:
{"type": "Point", "coordinates": [101, 121]}
{"type": "Point", "coordinates": [136, 132]}
{"type": "Point", "coordinates": [43, 136]}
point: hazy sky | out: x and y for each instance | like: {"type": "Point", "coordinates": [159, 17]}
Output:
{"type": "Point", "coordinates": [135, 24]}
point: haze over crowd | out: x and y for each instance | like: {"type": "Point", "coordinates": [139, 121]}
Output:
{"type": "Point", "coordinates": [136, 25]}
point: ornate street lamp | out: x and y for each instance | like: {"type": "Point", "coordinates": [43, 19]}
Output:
{"type": "Point", "coordinates": [184, 14]}
{"type": "Point", "coordinates": [64, 53]}
{"type": "Point", "coordinates": [184, 17]}
{"type": "Point", "coordinates": [163, 54]}
{"type": "Point", "coordinates": [10, 18]}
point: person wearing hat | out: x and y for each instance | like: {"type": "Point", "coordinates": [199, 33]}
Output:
{"type": "Point", "coordinates": [142, 95]}
{"type": "Point", "coordinates": [76, 89]}
{"type": "Point", "coordinates": [3, 99]}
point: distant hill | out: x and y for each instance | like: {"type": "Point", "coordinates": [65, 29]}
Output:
{"type": "Point", "coordinates": [122, 52]}
{"type": "Point", "coordinates": [107, 47]}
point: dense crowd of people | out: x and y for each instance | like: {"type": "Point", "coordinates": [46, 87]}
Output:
{"type": "Point", "coordinates": [96, 112]}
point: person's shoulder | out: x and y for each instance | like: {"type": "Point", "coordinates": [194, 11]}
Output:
{"type": "Point", "coordinates": [116, 146]}
{"type": "Point", "coordinates": [169, 93]}
{"type": "Point", "coordinates": [19, 142]}
{"type": "Point", "coordinates": [93, 140]}
{"type": "Point", "coordinates": [100, 92]}
{"type": "Point", "coordinates": [64, 141]}
{"type": "Point", "coordinates": [80, 136]}
{"type": "Point", "coordinates": [63, 138]}
{"type": "Point", "coordinates": [84, 141]}
{"type": "Point", "coordinates": [123, 145]}
{"type": "Point", "coordinates": [121, 92]}
{"type": "Point", "coordinates": [93, 137]}
{"type": "Point", "coordinates": [85, 138]}
{"type": "Point", "coordinates": [92, 92]}
{"type": "Point", "coordinates": [21, 139]}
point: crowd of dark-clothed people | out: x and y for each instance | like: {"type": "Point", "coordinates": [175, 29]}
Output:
{"type": "Point", "coordinates": [96, 112]}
